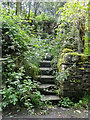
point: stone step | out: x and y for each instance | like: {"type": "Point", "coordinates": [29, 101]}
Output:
{"type": "Point", "coordinates": [45, 78]}
{"type": "Point", "coordinates": [48, 92]}
{"type": "Point", "coordinates": [43, 68]}
{"type": "Point", "coordinates": [3, 59]}
{"type": "Point", "coordinates": [45, 63]}
{"type": "Point", "coordinates": [50, 98]}
{"type": "Point", "coordinates": [45, 71]}
{"type": "Point", "coordinates": [48, 57]}
{"type": "Point", "coordinates": [44, 86]}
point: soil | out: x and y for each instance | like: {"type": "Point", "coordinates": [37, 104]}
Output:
{"type": "Point", "coordinates": [54, 112]}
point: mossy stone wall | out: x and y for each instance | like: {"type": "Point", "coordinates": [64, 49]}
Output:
{"type": "Point", "coordinates": [77, 83]}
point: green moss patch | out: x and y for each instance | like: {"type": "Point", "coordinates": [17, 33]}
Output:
{"type": "Point", "coordinates": [62, 58]}
{"type": "Point", "coordinates": [82, 58]}
{"type": "Point", "coordinates": [66, 50]}
{"type": "Point", "coordinates": [81, 68]}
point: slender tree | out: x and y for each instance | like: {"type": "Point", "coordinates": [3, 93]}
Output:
{"type": "Point", "coordinates": [18, 8]}
{"type": "Point", "coordinates": [29, 10]}
{"type": "Point", "coordinates": [36, 6]}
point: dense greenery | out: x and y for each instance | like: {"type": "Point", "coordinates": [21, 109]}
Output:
{"type": "Point", "coordinates": [25, 42]}
{"type": "Point", "coordinates": [21, 66]}
{"type": "Point", "coordinates": [23, 48]}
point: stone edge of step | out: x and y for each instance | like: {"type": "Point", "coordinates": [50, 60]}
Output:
{"type": "Point", "coordinates": [45, 68]}
{"type": "Point", "coordinates": [53, 98]}
{"type": "Point", "coordinates": [43, 86]}
{"type": "Point", "coordinates": [45, 76]}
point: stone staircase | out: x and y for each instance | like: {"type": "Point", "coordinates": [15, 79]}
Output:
{"type": "Point", "coordinates": [47, 80]}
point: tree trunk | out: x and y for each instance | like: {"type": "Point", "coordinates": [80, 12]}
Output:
{"type": "Point", "coordinates": [79, 45]}
{"type": "Point", "coordinates": [81, 41]}
{"type": "Point", "coordinates": [18, 8]}
{"type": "Point", "coordinates": [36, 6]}
{"type": "Point", "coordinates": [81, 35]}
{"type": "Point", "coordinates": [29, 9]}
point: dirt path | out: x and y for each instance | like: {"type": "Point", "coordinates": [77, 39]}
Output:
{"type": "Point", "coordinates": [55, 112]}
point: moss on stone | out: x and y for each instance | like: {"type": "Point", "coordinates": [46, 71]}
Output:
{"type": "Point", "coordinates": [62, 58]}
{"type": "Point", "coordinates": [82, 56]}
{"type": "Point", "coordinates": [82, 68]}
{"type": "Point", "coordinates": [66, 50]}
{"type": "Point", "coordinates": [60, 61]}
{"type": "Point", "coordinates": [30, 68]}
{"type": "Point", "coordinates": [69, 52]}
{"type": "Point", "coordinates": [85, 62]}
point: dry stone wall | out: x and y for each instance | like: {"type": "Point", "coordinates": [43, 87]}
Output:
{"type": "Point", "coordinates": [77, 83]}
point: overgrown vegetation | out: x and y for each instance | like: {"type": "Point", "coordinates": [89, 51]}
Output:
{"type": "Point", "coordinates": [25, 42]}
{"type": "Point", "coordinates": [82, 104]}
{"type": "Point", "coordinates": [20, 67]}
{"type": "Point", "coordinates": [70, 39]}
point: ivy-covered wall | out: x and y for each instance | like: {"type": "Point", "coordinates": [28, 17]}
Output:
{"type": "Point", "coordinates": [78, 66]}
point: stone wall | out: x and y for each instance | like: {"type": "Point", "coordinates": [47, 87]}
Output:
{"type": "Point", "coordinates": [77, 83]}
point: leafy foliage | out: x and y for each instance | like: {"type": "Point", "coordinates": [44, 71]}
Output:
{"type": "Point", "coordinates": [73, 17]}
{"type": "Point", "coordinates": [70, 34]}
{"type": "Point", "coordinates": [19, 88]}
{"type": "Point", "coordinates": [41, 17]}
{"type": "Point", "coordinates": [25, 42]}
{"type": "Point", "coordinates": [83, 103]}
{"type": "Point", "coordinates": [61, 76]}
{"type": "Point", "coordinates": [23, 49]}
{"type": "Point", "coordinates": [65, 102]}
{"type": "Point", "coordinates": [23, 53]}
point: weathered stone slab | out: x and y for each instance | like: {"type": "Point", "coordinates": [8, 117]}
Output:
{"type": "Point", "coordinates": [45, 79]}
{"type": "Point", "coordinates": [46, 71]}
{"type": "Point", "coordinates": [50, 98]}
{"type": "Point", "coordinates": [44, 86]}
{"type": "Point", "coordinates": [45, 63]}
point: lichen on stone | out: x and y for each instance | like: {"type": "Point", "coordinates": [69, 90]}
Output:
{"type": "Point", "coordinates": [62, 58]}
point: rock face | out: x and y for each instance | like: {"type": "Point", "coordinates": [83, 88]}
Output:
{"type": "Point", "coordinates": [77, 83]}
